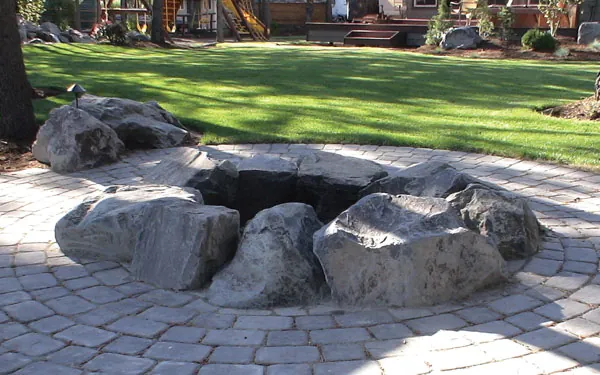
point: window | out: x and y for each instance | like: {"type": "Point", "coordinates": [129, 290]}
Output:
{"type": "Point", "coordinates": [497, 2]}
{"type": "Point", "coordinates": [425, 3]}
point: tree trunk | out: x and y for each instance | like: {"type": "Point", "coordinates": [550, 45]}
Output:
{"type": "Point", "coordinates": [77, 23]}
{"type": "Point", "coordinates": [158, 32]}
{"type": "Point", "coordinates": [220, 22]}
{"type": "Point", "coordinates": [17, 121]}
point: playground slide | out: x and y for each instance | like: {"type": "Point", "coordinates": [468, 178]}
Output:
{"type": "Point", "coordinates": [256, 25]}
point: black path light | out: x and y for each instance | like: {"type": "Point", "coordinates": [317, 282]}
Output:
{"type": "Point", "coordinates": [78, 91]}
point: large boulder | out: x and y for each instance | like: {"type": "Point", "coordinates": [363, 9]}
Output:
{"type": "Point", "coordinates": [107, 225]}
{"type": "Point", "coordinates": [66, 36]}
{"type": "Point", "coordinates": [264, 181]}
{"type": "Point", "coordinates": [183, 247]}
{"type": "Point", "coordinates": [461, 38]}
{"type": "Point", "coordinates": [588, 32]}
{"type": "Point", "coordinates": [23, 33]}
{"type": "Point", "coordinates": [47, 36]}
{"type": "Point", "coordinates": [502, 216]}
{"type": "Point", "coordinates": [77, 36]}
{"type": "Point", "coordinates": [171, 238]}
{"type": "Point", "coordinates": [139, 125]}
{"type": "Point", "coordinates": [51, 28]}
{"type": "Point", "coordinates": [429, 179]}
{"type": "Point", "coordinates": [274, 264]}
{"type": "Point", "coordinates": [331, 182]}
{"type": "Point", "coordinates": [136, 36]}
{"type": "Point", "coordinates": [72, 140]}
{"type": "Point", "coordinates": [187, 166]}
{"type": "Point", "coordinates": [404, 251]}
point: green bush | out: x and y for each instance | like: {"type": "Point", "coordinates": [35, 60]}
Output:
{"type": "Point", "coordinates": [506, 19]}
{"type": "Point", "coordinates": [31, 10]}
{"type": "Point", "coordinates": [438, 24]}
{"type": "Point", "coordinates": [116, 34]}
{"type": "Point", "coordinates": [538, 40]}
{"type": "Point", "coordinates": [60, 12]}
{"type": "Point", "coordinates": [484, 16]}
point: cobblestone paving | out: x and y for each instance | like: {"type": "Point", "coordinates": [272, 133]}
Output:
{"type": "Point", "coordinates": [74, 316]}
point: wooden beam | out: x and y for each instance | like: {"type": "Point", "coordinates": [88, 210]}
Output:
{"type": "Point", "coordinates": [230, 23]}
{"type": "Point", "coordinates": [243, 19]}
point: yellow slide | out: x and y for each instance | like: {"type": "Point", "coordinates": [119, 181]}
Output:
{"type": "Point", "coordinates": [257, 29]}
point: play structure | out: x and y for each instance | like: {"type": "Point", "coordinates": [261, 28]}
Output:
{"type": "Point", "coordinates": [183, 15]}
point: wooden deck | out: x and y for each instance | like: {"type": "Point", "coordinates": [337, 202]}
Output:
{"type": "Point", "coordinates": [412, 30]}
{"type": "Point", "coordinates": [335, 32]}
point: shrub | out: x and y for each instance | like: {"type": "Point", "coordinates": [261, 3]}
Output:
{"type": "Point", "coordinates": [31, 10]}
{"type": "Point", "coordinates": [116, 33]}
{"type": "Point", "coordinates": [506, 19]}
{"type": "Point", "coordinates": [438, 24]}
{"type": "Point", "coordinates": [60, 12]}
{"type": "Point", "coordinates": [483, 14]}
{"type": "Point", "coordinates": [538, 40]}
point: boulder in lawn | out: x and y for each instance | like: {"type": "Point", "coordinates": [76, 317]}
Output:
{"type": "Point", "coordinates": [274, 264]}
{"type": "Point", "coordinates": [588, 32]}
{"type": "Point", "coordinates": [136, 36]}
{"type": "Point", "coordinates": [461, 38]}
{"type": "Point", "coordinates": [139, 125]}
{"type": "Point", "coordinates": [502, 216]}
{"type": "Point", "coordinates": [187, 166]}
{"type": "Point", "coordinates": [51, 28]}
{"type": "Point", "coordinates": [47, 36]}
{"type": "Point", "coordinates": [429, 179]}
{"type": "Point", "coordinates": [72, 140]}
{"type": "Point", "coordinates": [331, 182]}
{"type": "Point", "coordinates": [404, 251]}
{"type": "Point", "coordinates": [264, 181]}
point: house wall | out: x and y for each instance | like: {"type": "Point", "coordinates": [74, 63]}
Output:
{"type": "Point", "coordinates": [295, 13]}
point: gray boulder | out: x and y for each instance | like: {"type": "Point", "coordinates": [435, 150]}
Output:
{"type": "Point", "coordinates": [72, 140]}
{"type": "Point", "coordinates": [107, 225]}
{"type": "Point", "coordinates": [66, 36]}
{"type": "Point", "coordinates": [135, 36]}
{"type": "Point", "coordinates": [35, 41]}
{"type": "Point", "coordinates": [264, 181]}
{"type": "Point", "coordinates": [47, 36]}
{"type": "Point", "coordinates": [461, 38]}
{"type": "Point", "coordinates": [51, 28]}
{"type": "Point", "coordinates": [187, 166]}
{"type": "Point", "coordinates": [274, 264]}
{"type": "Point", "coordinates": [31, 27]}
{"type": "Point", "coordinates": [23, 33]}
{"type": "Point", "coordinates": [183, 247]}
{"type": "Point", "coordinates": [404, 251]}
{"type": "Point", "coordinates": [171, 238]}
{"type": "Point", "coordinates": [503, 217]}
{"type": "Point", "coordinates": [138, 125]}
{"type": "Point", "coordinates": [331, 182]}
{"type": "Point", "coordinates": [429, 179]}
{"type": "Point", "coordinates": [588, 32]}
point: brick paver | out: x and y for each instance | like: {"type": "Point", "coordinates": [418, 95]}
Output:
{"type": "Point", "coordinates": [74, 316]}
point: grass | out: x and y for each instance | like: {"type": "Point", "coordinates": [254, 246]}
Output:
{"type": "Point", "coordinates": [256, 93]}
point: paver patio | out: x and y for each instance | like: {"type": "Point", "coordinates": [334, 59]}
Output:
{"type": "Point", "coordinates": [75, 316]}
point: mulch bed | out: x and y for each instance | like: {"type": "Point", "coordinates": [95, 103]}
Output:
{"type": "Point", "coordinates": [585, 109]}
{"type": "Point", "coordinates": [497, 49]}
{"type": "Point", "coordinates": [15, 157]}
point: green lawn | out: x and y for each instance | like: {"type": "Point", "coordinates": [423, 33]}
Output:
{"type": "Point", "coordinates": [265, 93]}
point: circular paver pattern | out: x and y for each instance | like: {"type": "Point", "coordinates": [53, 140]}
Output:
{"type": "Point", "coordinates": [72, 316]}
